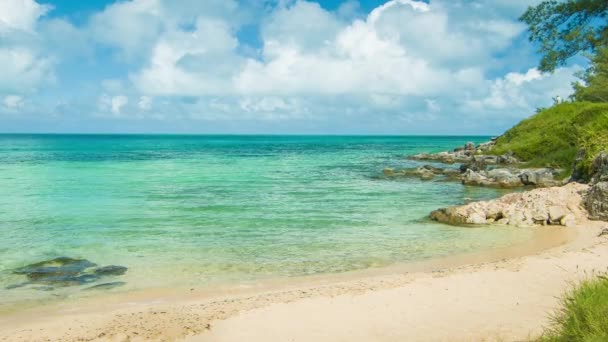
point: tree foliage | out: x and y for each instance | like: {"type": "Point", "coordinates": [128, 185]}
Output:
{"type": "Point", "coordinates": [565, 28]}
{"type": "Point", "coordinates": [595, 78]}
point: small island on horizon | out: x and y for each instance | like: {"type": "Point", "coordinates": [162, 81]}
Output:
{"type": "Point", "coordinates": [370, 233]}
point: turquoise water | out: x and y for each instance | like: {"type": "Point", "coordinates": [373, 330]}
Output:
{"type": "Point", "coordinates": [197, 210]}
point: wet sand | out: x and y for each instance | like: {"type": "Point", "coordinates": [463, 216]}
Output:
{"type": "Point", "coordinates": [503, 295]}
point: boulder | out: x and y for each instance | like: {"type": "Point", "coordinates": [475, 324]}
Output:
{"type": "Point", "coordinates": [504, 178]}
{"type": "Point", "coordinates": [577, 172]}
{"type": "Point", "coordinates": [539, 177]}
{"type": "Point", "coordinates": [485, 147]}
{"type": "Point", "coordinates": [507, 159]}
{"type": "Point", "coordinates": [469, 147]}
{"type": "Point", "coordinates": [596, 201]}
{"type": "Point", "coordinates": [64, 271]}
{"type": "Point", "coordinates": [556, 215]}
{"type": "Point", "coordinates": [110, 270]}
{"type": "Point", "coordinates": [389, 172]}
{"type": "Point", "coordinates": [599, 168]}
{"type": "Point", "coordinates": [106, 286]}
{"type": "Point", "coordinates": [554, 206]}
{"type": "Point", "coordinates": [471, 177]}
{"type": "Point", "coordinates": [58, 267]}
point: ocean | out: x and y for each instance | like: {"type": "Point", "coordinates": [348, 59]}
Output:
{"type": "Point", "coordinates": [187, 210]}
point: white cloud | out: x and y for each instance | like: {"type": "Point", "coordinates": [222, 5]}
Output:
{"type": "Point", "coordinates": [419, 63]}
{"type": "Point", "coordinates": [20, 15]}
{"type": "Point", "coordinates": [108, 104]}
{"type": "Point", "coordinates": [118, 102]}
{"type": "Point", "coordinates": [524, 91]}
{"type": "Point", "coordinates": [23, 70]}
{"type": "Point", "coordinates": [145, 103]}
{"type": "Point", "coordinates": [13, 101]}
{"type": "Point", "coordinates": [193, 63]}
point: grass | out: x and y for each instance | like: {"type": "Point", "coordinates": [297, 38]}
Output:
{"type": "Point", "coordinates": [583, 315]}
{"type": "Point", "coordinates": [552, 137]}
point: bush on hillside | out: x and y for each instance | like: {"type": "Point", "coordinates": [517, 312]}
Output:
{"type": "Point", "coordinates": [552, 137]}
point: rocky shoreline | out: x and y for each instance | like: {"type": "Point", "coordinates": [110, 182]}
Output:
{"type": "Point", "coordinates": [478, 168]}
{"type": "Point", "coordinates": [562, 203]}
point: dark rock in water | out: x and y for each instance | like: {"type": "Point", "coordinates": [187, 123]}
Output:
{"type": "Point", "coordinates": [58, 267]}
{"type": "Point", "coordinates": [69, 280]}
{"type": "Point", "coordinates": [111, 270]}
{"type": "Point", "coordinates": [44, 288]}
{"type": "Point", "coordinates": [106, 286]}
{"type": "Point", "coordinates": [16, 286]}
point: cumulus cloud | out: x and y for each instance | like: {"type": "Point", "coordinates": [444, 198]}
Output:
{"type": "Point", "coordinates": [13, 101]}
{"type": "Point", "coordinates": [20, 15]}
{"type": "Point", "coordinates": [405, 64]}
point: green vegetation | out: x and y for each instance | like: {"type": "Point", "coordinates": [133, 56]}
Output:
{"type": "Point", "coordinates": [583, 315]}
{"type": "Point", "coordinates": [566, 28]}
{"type": "Point", "coordinates": [552, 137]}
{"type": "Point", "coordinates": [595, 87]}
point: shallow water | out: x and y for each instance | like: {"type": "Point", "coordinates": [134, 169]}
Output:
{"type": "Point", "coordinates": [182, 210]}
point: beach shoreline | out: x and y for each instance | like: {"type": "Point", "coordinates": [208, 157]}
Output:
{"type": "Point", "coordinates": [202, 314]}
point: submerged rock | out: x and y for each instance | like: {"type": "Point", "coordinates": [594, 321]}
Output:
{"type": "Point", "coordinates": [58, 267]}
{"type": "Point", "coordinates": [425, 172]}
{"type": "Point", "coordinates": [111, 270]}
{"type": "Point", "coordinates": [106, 286]}
{"type": "Point", "coordinates": [63, 272]}
{"type": "Point", "coordinates": [548, 206]}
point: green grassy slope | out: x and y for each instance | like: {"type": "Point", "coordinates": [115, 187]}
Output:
{"type": "Point", "coordinates": [552, 137]}
{"type": "Point", "coordinates": [583, 315]}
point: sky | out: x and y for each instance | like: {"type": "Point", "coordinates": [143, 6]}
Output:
{"type": "Point", "coordinates": [438, 67]}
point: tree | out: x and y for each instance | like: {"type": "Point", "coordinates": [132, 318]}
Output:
{"type": "Point", "coordinates": [565, 28]}
{"type": "Point", "coordinates": [595, 87]}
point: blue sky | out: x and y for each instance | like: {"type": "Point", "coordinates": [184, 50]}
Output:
{"type": "Point", "coordinates": [269, 66]}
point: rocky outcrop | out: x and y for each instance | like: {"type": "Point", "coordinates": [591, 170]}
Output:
{"type": "Point", "coordinates": [469, 154]}
{"type": "Point", "coordinates": [596, 201]}
{"type": "Point", "coordinates": [549, 206]}
{"type": "Point", "coordinates": [426, 172]}
{"type": "Point", "coordinates": [599, 168]}
{"type": "Point", "coordinates": [512, 178]}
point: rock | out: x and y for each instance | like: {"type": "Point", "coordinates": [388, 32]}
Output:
{"type": "Point", "coordinates": [596, 201]}
{"type": "Point", "coordinates": [599, 168]}
{"type": "Point", "coordinates": [65, 281]}
{"type": "Point", "coordinates": [504, 178]}
{"type": "Point", "coordinates": [577, 172]}
{"type": "Point", "coordinates": [556, 205]}
{"type": "Point", "coordinates": [111, 270]}
{"type": "Point", "coordinates": [471, 177]}
{"type": "Point", "coordinates": [389, 172]}
{"type": "Point", "coordinates": [485, 147]}
{"type": "Point", "coordinates": [476, 164]}
{"type": "Point", "coordinates": [64, 271]}
{"type": "Point", "coordinates": [58, 267]}
{"type": "Point", "coordinates": [469, 147]}
{"type": "Point", "coordinates": [106, 286]}
{"type": "Point", "coordinates": [603, 232]}
{"type": "Point", "coordinates": [539, 177]}
{"type": "Point", "coordinates": [556, 214]}
{"type": "Point", "coordinates": [507, 159]}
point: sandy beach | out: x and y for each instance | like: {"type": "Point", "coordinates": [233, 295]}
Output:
{"type": "Point", "coordinates": [508, 300]}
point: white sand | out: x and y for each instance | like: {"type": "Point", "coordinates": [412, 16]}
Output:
{"type": "Point", "coordinates": [507, 300]}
